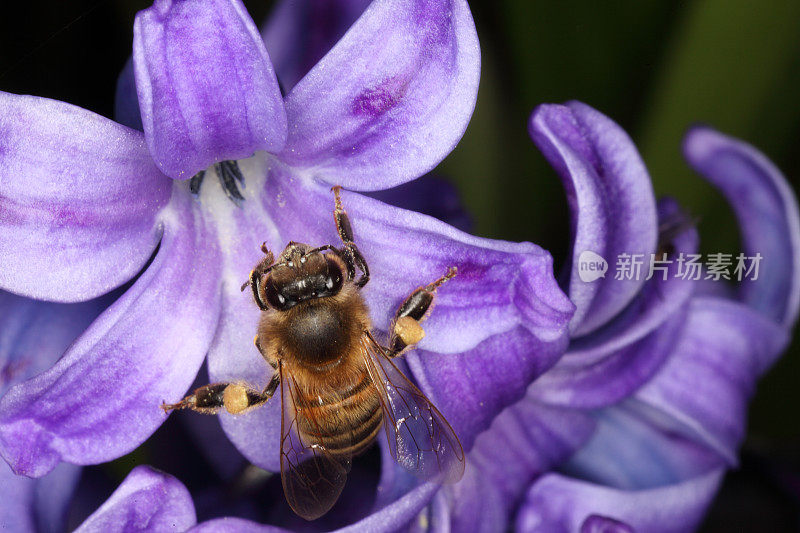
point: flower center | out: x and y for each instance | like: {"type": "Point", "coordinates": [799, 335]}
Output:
{"type": "Point", "coordinates": [229, 174]}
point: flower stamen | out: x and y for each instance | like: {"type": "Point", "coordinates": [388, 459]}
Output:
{"type": "Point", "coordinates": [228, 173]}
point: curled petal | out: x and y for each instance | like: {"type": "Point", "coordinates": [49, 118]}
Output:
{"type": "Point", "coordinates": [705, 385]}
{"type": "Point", "coordinates": [612, 376]}
{"type": "Point", "coordinates": [79, 196]}
{"type": "Point", "coordinates": [611, 202]}
{"type": "Point", "coordinates": [147, 500]}
{"type": "Point", "coordinates": [391, 99]}
{"type": "Point", "coordinates": [300, 32]}
{"type": "Point", "coordinates": [768, 216]}
{"type": "Point", "coordinates": [206, 87]}
{"type": "Point", "coordinates": [607, 366]}
{"type": "Point", "coordinates": [102, 398]}
{"type": "Point", "coordinates": [559, 504]}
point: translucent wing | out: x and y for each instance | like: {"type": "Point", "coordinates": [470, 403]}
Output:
{"type": "Point", "coordinates": [419, 437]}
{"type": "Point", "coordinates": [312, 478]}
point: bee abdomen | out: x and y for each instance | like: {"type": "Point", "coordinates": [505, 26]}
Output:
{"type": "Point", "coordinates": [344, 423]}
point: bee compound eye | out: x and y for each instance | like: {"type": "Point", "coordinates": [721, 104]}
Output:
{"type": "Point", "coordinates": [274, 297]}
{"type": "Point", "coordinates": [333, 280]}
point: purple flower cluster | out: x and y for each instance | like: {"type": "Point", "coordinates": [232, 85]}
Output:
{"type": "Point", "coordinates": [611, 405]}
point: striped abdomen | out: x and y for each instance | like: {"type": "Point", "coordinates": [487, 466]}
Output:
{"type": "Point", "coordinates": [345, 421]}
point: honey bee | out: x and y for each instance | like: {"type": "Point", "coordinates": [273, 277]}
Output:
{"type": "Point", "coordinates": [338, 384]}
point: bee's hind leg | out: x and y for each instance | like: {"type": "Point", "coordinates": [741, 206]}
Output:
{"type": "Point", "coordinates": [406, 329]}
{"type": "Point", "coordinates": [234, 397]}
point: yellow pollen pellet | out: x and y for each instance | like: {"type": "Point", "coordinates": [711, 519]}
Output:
{"type": "Point", "coordinates": [235, 399]}
{"type": "Point", "coordinates": [409, 330]}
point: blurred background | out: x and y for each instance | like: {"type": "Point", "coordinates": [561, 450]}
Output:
{"type": "Point", "coordinates": [654, 66]}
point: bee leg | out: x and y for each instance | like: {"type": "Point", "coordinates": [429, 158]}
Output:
{"type": "Point", "coordinates": [234, 397]}
{"type": "Point", "coordinates": [406, 329]}
{"type": "Point", "coordinates": [351, 254]}
{"type": "Point", "coordinates": [255, 277]}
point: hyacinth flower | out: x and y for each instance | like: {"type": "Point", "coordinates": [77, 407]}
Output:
{"type": "Point", "coordinates": [222, 167]}
{"type": "Point", "coordinates": [646, 410]}
{"type": "Point", "coordinates": [634, 427]}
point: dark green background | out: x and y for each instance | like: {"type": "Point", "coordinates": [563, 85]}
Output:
{"type": "Point", "coordinates": [653, 66]}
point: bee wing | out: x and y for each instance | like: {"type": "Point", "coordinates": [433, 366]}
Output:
{"type": "Point", "coordinates": [312, 478]}
{"type": "Point", "coordinates": [420, 439]}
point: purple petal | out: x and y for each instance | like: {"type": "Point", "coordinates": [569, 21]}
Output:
{"type": "Point", "coordinates": [397, 515]}
{"type": "Point", "coordinates": [126, 102]}
{"type": "Point", "coordinates": [392, 518]}
{"type": "Point", "coordinates": [559, 504]}
{"type": "Point", "coordinates": [436, 517]}
{"type": "Point", "coordinates": [767, 211]}
{"type": "Point", "coordinates": [79, 196]}
{"type": "Point", "coordinates": [503, 309]}
{"type": "Point", "coordinates": [17, 509]}
{"type": "Point", "coordinates": [527, 440]}
{"type": "Point", "coordinates": [147, 500]}
{"type": "Point", "coordinates": [472, 505]}
{"type": "Point", "coordinates": [472, 387]}
{"type": "Point", "coordinates": [634, 447]}
{"type": "Point", "coordinates": [602, 524]}
{"type": "Point", "coordinates": [705, 385]}
{"type": "Point", "coordinates": [523, 442]}
{"type": "Point", "coordinates": [102, 398]}
{"type": "Point", "coordinates": [53, 497]}
{"type": "Point", "coordinates": [300, 32]}
{"type": "Point", "coordinates": [391, 99]}
{"type": "Point", "coordinates": [36, 505]}
{"type": "Point", "coordinates": [206, 86]}
{"type": "Point", "coordinates": [234, 525]}
{"type": "Point", "coordinates": [599, 378]}
{"type": "Point", "coordinates": [34, 334]}
{"type": "Point", "coordinates": [608, 365]}
{"type": "Point", "coordinates": [611, 202]}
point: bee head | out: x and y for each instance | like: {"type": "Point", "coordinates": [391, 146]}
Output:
{"type": "Point", "coordinates": [302, 274]}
